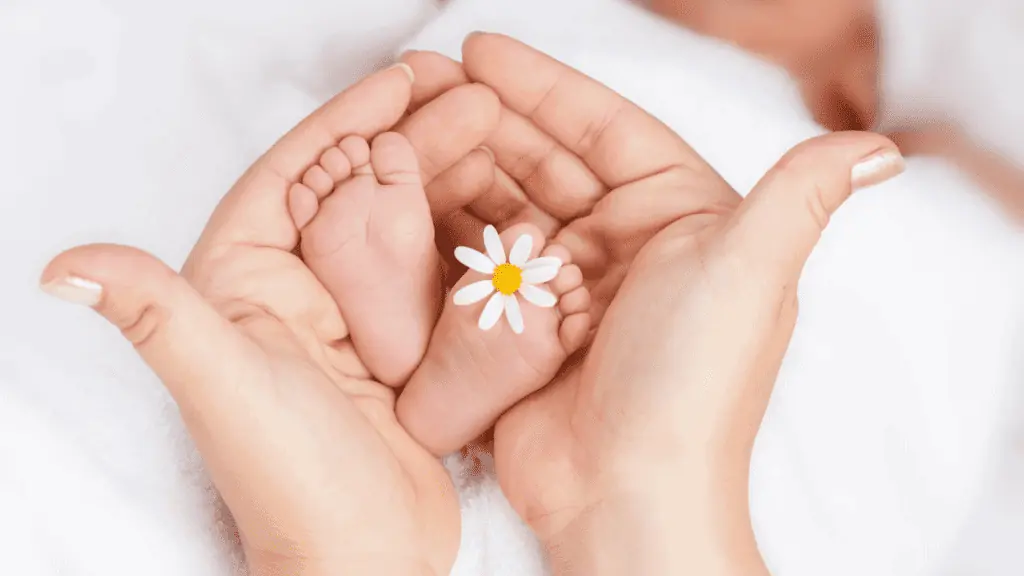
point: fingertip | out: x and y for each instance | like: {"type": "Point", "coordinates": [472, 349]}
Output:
{"type": "Point", "coordinates": [877, 168]}
{"type": "Point", "coordinates": [72, 289]}
{"type": "Point", "coordinates": [795, 201]}
{"type": "Point", "coordinates": [435, 74]}
{"type": "Point", "coordinates": [101, 263]}
{"type": "Point", "coordinates": [407, 69]}
{"type": "Point", "coordinates": [121, 283]}
{"type": "Point", "coordinates": [472, 39]}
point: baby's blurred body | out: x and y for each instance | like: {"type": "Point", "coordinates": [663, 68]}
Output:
{"type": "Point", "coordinates": [941, 76]}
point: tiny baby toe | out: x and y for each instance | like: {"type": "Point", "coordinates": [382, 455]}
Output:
{"type": "Point", "coordinates": [336, 164]}
{"type": "Point", "coordinates": [574, 302]}
{"type": "Point", "coordinates": [568, 279]}
{"type": "Point", "coordinates": [357, 149]}
{"type": "Point", "coordinates": [303, 205]}
{"type": "Point", "coordinates": [558, 251]}
{"type": "Point", "coordinates": [317, 180]}
{"type": "Point", "coordinates": [574, 331]}
{"type": "Point", "coordinates": [394, 160]}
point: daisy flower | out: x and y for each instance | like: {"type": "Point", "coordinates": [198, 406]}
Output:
{"type": "Point", "coordinates": [518, 274]}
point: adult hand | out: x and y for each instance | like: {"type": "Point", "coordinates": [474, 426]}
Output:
{"type": "Point", "coordinates": [641, 451]}
{"type": "Point", "coordinates": [301, 443]}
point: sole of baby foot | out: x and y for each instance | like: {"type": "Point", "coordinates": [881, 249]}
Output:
{"type": "Point", "coordinates": [492, 346]}
{"type": "Point", "coordinates": [368, 237]}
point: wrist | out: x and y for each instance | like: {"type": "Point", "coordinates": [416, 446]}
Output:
{"type": "Point", "coordinates": [662, 519]}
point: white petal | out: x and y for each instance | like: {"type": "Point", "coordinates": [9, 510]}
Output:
{"type": "Point", "coordinates": [521, 250]}
{"type": "Point", "coordinates": [540, 275]}
{"type": "Point", "coordinates": [474, 260]}
{"type": "Point", "coordinates": [492, 312]}
{"type": "Point", "coordinates": [492, 243]}
{"type": "Point", "coordinates": [473, 293]}
{"type": "Point", "coordinates": [514, 314]}
{"type": "Point", "coordinates": [537, 296]}
{"type": "Point", "coordinates": [543, 262]}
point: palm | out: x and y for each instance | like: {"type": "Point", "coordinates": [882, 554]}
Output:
{"type": "Point", "coordinates": [612, 177]}
{"type": "Point", "coordinates": [334, 414]}
{"type": "Point", "coordinates": [332, 457]}
{"type": "Point", "coordinates": [584, 411]}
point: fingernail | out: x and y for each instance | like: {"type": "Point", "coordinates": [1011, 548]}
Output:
{"type": "Point", "coordinates": [474, 34]}
{"type": "Point", "coordinates": [406, 68]}
{"type": "Point", "coordinates": [75, 290]}
{"type": "Point", "coordinates": [877, 168]}
{"type": "Point", "coordinates": [487, 151]}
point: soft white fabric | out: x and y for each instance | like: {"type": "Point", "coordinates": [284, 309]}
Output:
{"type": "Point", "coordinates": [125, 121]}
{"type": "Point", "coordinates": [889, 444]}
{"type": "Point", "coordinates": [956, 61]}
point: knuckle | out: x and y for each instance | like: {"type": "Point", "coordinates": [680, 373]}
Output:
{"type": "Point", "coordinates": [140, 327]}
{"type": "Point", "coordinates": [814, 203]}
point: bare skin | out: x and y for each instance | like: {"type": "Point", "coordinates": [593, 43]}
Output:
{"type": "Point", "coordinates": [270, 325]}
{"type": "Point", "coordinates": [579, 457]}
{"type": "Point", "coordinates": [368, 237]}
{"type": "Point", "coordinates": [273, 392]}
{"type": "Point", "coordinates": [831, 47]}
{"type": "Point", "coordinates": [488, 371]}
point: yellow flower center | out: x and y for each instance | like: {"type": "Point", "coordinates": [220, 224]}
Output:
{"type": "Point", "coordinates": [507, 278]}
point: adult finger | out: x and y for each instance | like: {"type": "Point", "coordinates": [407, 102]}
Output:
{"type": "Point", "coordinates": [519, 148]}
{"type": "Point", "coordinates": [505, 204]}
{"type": "Point", "coordinates": [461, 184]}
{"type": "Point", "coordinates": [779, 223]}
{"type": "Point", "coordinates": [435, 74]}
{"type": "Point", "coordinates": [161, 315]}
{"type": "Point", "coordinates": [451, 126]}
{"type": "Point", "coordinates": [548, 173]}
{"type": "Point", "coordinates": [254, 212]}
{"type": "Point", "coordinates": [618, 141]}
{"type": "Point", "coordinates": [627, 217]}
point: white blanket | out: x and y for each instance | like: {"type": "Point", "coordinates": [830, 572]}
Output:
{"type": "Point", "coordinates": [124, 121]}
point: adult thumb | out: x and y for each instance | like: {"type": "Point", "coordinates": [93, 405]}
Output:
{"type": "Point", "coordinates": [182, 338]}
{"type": "Point", "coordinates": [780, 222]}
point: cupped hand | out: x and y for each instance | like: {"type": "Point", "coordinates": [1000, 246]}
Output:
{"type": "Point", "coordinates": [701, 286]}
{"type": "Point", "coordinates": [301, 442]}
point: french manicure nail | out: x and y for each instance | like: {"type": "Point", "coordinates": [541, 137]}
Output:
{"type": "Point", "coordinates": [75, 290]}
{"type": "Point", "coordinates": [877, 168]}
{"type": "Point", "coordinates": [406, 68]}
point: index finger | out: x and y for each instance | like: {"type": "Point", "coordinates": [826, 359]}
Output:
{"type": "Point", "coordinates": [618, 141]}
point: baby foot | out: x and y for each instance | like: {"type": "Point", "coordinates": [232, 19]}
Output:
{"type": "Point", "coordinates": [368, 237]}
{"type": "Point", "coordinates": [479, 364]}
